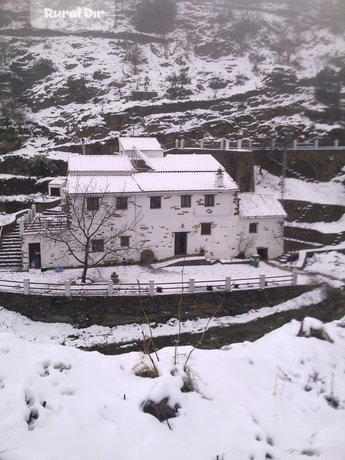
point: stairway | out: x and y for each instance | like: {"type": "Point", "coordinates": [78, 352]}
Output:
{"type": "Point", "coordinates": [11, 251]}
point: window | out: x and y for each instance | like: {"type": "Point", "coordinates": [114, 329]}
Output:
{"type": "Point", "coordinates": [209, 200]}
{"type": "Point", "coordinates": [97, 245]}
{"type": "Point", "coordinates": [206, 228]}
{"type": "Point", "coordinates": [253, 228]}
{"type": "Point", "coordinates": [124, 241]}
{"type": "Point", "coordinates": [92, 204]}
{"type": "Point", "coordinates": [155, 202]}
{"type": "Point", "coordinates": [55, 191]}
{"type": "Point", "coordinates": [186, 201]}
{"type": "Point", "coordinates": [121, 202]}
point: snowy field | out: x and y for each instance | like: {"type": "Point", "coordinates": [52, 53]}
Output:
{"type": "Point", "coordinates": [332, 192]}
{"type": "Point", "coordinates": [282, 397]}
{"type": "Point", "coordinates": [158, 273]}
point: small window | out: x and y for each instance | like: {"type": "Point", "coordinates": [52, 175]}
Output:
{"type": "Point", "coordinates": [253, 228]}
{"type": "Point", "coordinates": [124, 241]}
{"type": "Point", "coordinates": [97, 245]}
{"type": "Point", "coordinates": [155, 202]}
{"type": "Point", "coordinates": [206, 228]}
{"type": "Point", "coordinates": [121, 202]}
{"type": "Point", "coordinates": [92, 204]}
{"type": "Point", "coordinates": [55, 191]}
{"type": "Point", "coordinates": [186, 201]}
{"type": "Point", "coordinates": [209, 200]}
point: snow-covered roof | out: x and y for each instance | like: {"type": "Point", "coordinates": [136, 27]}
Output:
{"type": "Point", "coordinates": [58, 181]}
{"type": "Point", "coordinates": [148, 182]}
{"type": "Point", "coordinates": [253, 205]}
{"type": "Point", "coordinates": [101, 184]}
{"type": "Point", "coordinates": [141, 143]}
{"type": "Point", "coordinates": [99, 163]}
{"type": "Point", "coordinates": [192, 162]}
{"type": "Point", "coordinates": [183, 181]}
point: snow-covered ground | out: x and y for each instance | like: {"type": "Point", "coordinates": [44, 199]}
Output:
{"type": "Point", "coordinates": [332, 192]}
{"type": "Point", "coordinates": [281, 397]}
{"type": "Point", "coordinates": [65, 334]}
{"type": "Point", "coordinates": [133, 273]}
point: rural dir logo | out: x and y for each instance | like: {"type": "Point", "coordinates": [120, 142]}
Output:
{"type": "Point", "coordinates": [73, 15]}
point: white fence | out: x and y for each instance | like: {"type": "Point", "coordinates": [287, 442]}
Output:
{"type": "Point", "coordinates": [150, 288]}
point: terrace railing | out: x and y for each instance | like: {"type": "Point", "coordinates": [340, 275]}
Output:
{"type": "Point", "coordinates": [150, 288]}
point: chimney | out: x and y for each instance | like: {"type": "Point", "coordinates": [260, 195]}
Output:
{"type": "Point", "coordinates": [219, 178]}
{"type": "Point", "coordinates": [83, 146]}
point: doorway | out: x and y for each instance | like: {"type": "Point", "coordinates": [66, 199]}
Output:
{"type": "Point", "coordinates": [180, 243]}
{"type": "Point", "coordinates": [34, 255]}
{"type": "Point", "coordinates": [263, 253]}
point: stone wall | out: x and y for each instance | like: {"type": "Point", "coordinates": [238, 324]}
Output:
{"type": "Point", "coordinates": [112, 311]}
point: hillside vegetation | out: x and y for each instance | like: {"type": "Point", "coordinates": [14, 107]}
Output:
{"type": "Point", "coordinates": [219, 69]}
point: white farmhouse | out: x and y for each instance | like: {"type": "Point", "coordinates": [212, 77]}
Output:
{"type": "Point", "coordinates": [160, 206]}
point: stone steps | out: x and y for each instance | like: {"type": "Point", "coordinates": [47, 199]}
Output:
{"type": "Point", "coordinates": [11, 250]}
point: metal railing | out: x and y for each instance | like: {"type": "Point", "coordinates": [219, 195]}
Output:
{"type": "Point", "coordinates": [150, 288]}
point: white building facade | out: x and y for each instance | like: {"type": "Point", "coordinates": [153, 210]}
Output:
{"type": "Point", "coordinates": [163, 206]}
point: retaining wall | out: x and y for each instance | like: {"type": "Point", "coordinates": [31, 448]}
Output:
{"type": "Point", "coordinates": [112, 311]}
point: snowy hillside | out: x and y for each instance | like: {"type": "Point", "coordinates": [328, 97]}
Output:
{"type": "Point", "coordinates": [224, 69]}
{"type": "Point", "coordinates": [281, 397]}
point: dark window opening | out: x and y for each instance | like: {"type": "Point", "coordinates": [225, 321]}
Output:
{"type": "Point", "coordinates": [253, 227]}
{"type": "Point", "coordinates": [209, 200]}
{"type": "Point", "coordinates": [124, 241]}
{"type": "Point", "coordinates": [121, 202]}
{"type": "Point", "coordinates": [155, 202]}
{"type": "Point", "coordinates": [186, 201]}
{"type": "Point", "coordinates": [55, 191]}
{"type": "Point", "coordinates": [206, 228]}
{"type": "Point", "coordinates": [97, 245]}
{"type": "Point", "coordinates": [92, 204]}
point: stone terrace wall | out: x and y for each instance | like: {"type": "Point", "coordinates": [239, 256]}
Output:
{"type": "Point", "coordinates": [112, 311]}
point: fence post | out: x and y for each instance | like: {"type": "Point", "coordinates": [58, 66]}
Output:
{"type": "Point", "coordinates": [250, 144]}
{"type": "Point", "coordinates": [336, 143]}
{"type": "Point", "coordinates": [110, 288]}
{"type": "Point", "coordinates": [151, 288]}
{"type": "Point", "coordinates": [239, 144]}
{"type": "Point", "coordinates": [316, 144]}
{"type": "Point", "coordinates": [262, 281]}
{"type": "Point", "coordinates": [202, 141]}
{"type": "Point", "coordinates": [295, 144]}
{"type": "Point", "coordinates": [182, 144]}
{"type": "Point", "coordinates": [227, 144]}
{"type": "Point", "coordinates": [228, 283]}
{"type": "Point", "coordinates": [176, 143]}
{"type": "Point", "coordinates": [294, 278]}
{"type": "Point", "coordinates": [33, 208]}
{"type": "Point", "coordinates": [191, 285]}
{"type": "Point", "coordinates": [26, 286]}
{"type": "Point", "coordinates": [67, 288]}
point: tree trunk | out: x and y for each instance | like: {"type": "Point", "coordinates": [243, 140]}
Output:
{"type": "Point", "coordinates": [86, 263]}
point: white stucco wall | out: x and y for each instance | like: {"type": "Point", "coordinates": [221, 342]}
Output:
{"type": "Point", "coordinates": [269, 235]}
{"type": "Point", "coordinates": [155, 229]}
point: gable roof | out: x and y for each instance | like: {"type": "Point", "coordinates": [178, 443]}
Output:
{"type": "Point", "coordinates": [101, 185]}
{"type": "Point", "coordinates": [141, 143]}
{"type": "Point", "coordinates": [189, 162]}
{"type": "Point", "coordinates": [99, 164]}
{"type": "Point", "coordinates": [183, 181]}
{"type": "Point", "coordinates": [253, 205]}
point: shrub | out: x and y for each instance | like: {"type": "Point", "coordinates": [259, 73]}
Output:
{"type": "Point", "coordinates": [41, 166]}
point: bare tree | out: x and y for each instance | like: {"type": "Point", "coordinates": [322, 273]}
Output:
{"type": "Point", "coordinates": [96, 227]}
{"type": "Point", "coordinates": [244, 244]}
